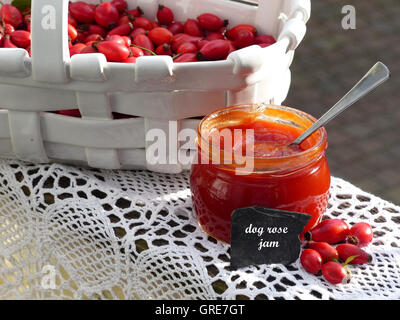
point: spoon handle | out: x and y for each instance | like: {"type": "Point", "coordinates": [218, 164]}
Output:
{"type": "Point", "coordinates": [378, 74]}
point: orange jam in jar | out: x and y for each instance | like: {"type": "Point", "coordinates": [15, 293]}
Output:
{"type": "Point", "coordinates": [279, 176]}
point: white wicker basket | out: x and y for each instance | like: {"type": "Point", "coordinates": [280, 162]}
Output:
{"type": "Point", "coordinates": [154, 90]}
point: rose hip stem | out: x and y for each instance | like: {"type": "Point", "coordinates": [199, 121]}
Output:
{"type": "Point", "coordinates": [143, 48]}
{"type": "Point", "coordinates": [177, 56]}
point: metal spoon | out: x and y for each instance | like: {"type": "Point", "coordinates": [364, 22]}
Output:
{"type": "Point", "coordinates": [375, 77]}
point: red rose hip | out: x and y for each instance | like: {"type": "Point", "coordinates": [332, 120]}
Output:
{"type": "Point", "coordinates": [360, 234]}
{"type": "Point", "coordinates": [116, 38]}
{"type": "Point", "coordinates": [311, 261]}
{"type": "Point", "coordinates": [94, 37]}
{"type": "Point", "coordinates": [71, 20]}
{"type": "Point", "coordinates": [211, 22]}
{"type": "Point", "coordinates": [192, 27]}
{"type": "Point", "coordinates": [331, 231]}
{"type": "Point", "coordinates": [121, 5]}
{"type": "Point", "coordinates": [7, 43]}
{"type": "Point", "coordinates": [187, 47]}
{"type": "Point", "coordinates": [72, 32]}
{"type": "Point", "coordinates": [106, 15]}
{"type": "Point", "coordinates": [138, 12]}
{"type": "Point", "coordinates": [186, 57]}
{"type": "Point", "coordinates": [27, 21]}
{"type": "Point", "coordinates": [125, 19]}
{"type": "Point", "coordinates": [95, 29]}
{"type": "Point", "coordinates": [214, 50]}
{"type": "Point", "coordinates": [244, 38]}
{"type": "Point", "coordinates": [82, 36]}
{"type": "Point", "coordinates": [8, 28]}
{"type": "Point", "coordinates": [127, 40]}
{"type": "Point", "coordinates": [233, 33]}
{"type": "Point", "coordinates": [82, 12]}
{"type": "Point", "coordinates": [176, 27]}
{"type": "Point", "coordinates": [76, 49]}
{"type": "Point", "coordinates": [114, 51]}
{"type": "Point", "coordinates": [143, 41]}
{"type": "Point", "coordinates": [138, 31]}
{"type": "Point", "coordinates": [164, 50]}
{"type": "Point", "coordinates": [160, 36]}
{"type": "Point", "coordinates": [142, 22]}
{"type": "Point", "coordinates": [155, 24]}
{"type": "Point", "coordinates": [136, 52]}
{"type": "Point", "coordinates": [335, 273]}
{"type": "Point", "coordinates": [200, 44]}
{"type": "Point", "coordinates": [264, 38]}
{"type": "Point", "coordinates": [181, 38]}
{"type": "Point", "coordinates": [347, 250]}
{"type": "Point", "coordinates": [122, 30]}
{"type": "Point", "coordinates": [165, 16]}
{"type": "Point", "coordinates": [89, 49]}
{"type": "Point", "coordinates": [215, 36]}
{"type": "Point", "coordinates": [11, 15]}
{"type": "Point", "coordinates": [327, 252]}
{"type": "Point", "coordinates": [21, 38]}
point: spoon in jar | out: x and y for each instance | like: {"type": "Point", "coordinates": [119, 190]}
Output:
{"type": "Point", "coordinates": [378, 74]}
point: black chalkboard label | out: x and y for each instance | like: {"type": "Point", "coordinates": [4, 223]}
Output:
{"type": "Point", "coordinates": [261, 235]}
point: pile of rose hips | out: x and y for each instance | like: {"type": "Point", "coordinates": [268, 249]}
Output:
{"type": "Point", "coordinates": [321, 256]}
{"type": "Point", "coordinates": [124, 35]}
{"type": "Point", "coordinates": [15, 28]}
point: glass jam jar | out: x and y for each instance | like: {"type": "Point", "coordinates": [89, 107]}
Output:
{"type": "Point", "coordinates": [280, 177]}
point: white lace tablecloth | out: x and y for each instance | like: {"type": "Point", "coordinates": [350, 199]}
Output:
{"type": "Point", "coordinates": [133, 235]}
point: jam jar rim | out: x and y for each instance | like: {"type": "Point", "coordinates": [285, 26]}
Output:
{"type": "Point", "coordinates": [266, 164]}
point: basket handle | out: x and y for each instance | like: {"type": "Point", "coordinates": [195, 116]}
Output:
{"type": "Point", "coordinates": [294, 28]}
{"type": "Point", "coordinates": [49, 47]}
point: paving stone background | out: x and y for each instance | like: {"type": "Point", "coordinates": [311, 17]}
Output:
{"type": "Point", "coordinates": [364, 142]}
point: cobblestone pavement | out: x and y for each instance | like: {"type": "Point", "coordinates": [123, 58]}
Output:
{"type": "Point", "coordinates": [364, 142]}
